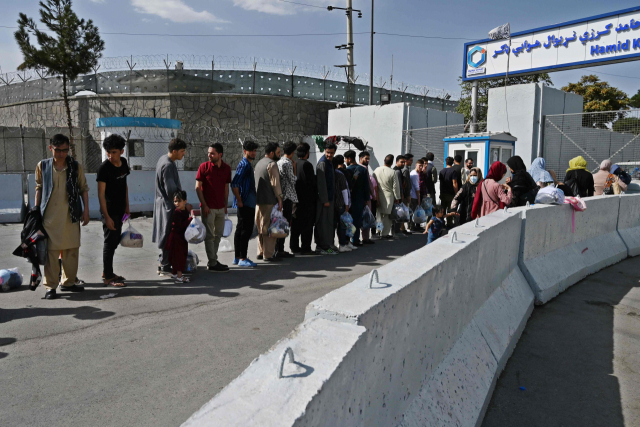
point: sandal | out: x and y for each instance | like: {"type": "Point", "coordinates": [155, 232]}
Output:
{"type": "Point", "coordinates": [182, 279]}
{"type": "Point", "coordinates": [117, 277]}
{"type": "Point", "coordinates": [115, 283]}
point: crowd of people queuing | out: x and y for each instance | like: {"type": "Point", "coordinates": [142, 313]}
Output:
{"type": "Point", "coordinates": [312, 198]}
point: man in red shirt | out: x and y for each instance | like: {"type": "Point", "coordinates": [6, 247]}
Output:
{"type": "Point", "coordinates": [212, 186]}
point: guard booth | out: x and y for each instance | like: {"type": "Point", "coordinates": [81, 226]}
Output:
{"type": "Point", "coordinates": [484, 148]}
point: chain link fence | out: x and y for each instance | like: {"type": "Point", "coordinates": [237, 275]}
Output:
{"type": "Point", "coordinates": [211, 74]}
{"type": "Point", "coordinates": [613, 135]}
{"type": "Point", "coordinates": [419, 142]}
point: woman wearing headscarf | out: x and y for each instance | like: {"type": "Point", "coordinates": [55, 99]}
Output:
{"type": "Point", "coordinates": [491, 196]}
{"type": "Point", "coordinates": [465, 197]}
{"type": "Point", "coordinates": [560, 185]}
{"type": "Point", "coordinates": [537, 169]}
{"type": "Point", "coordinates": [578, 178]}
{"type": "Point", "coordinates": [603, 178]}
{"type": "Point", "coordinates": [521, 182]}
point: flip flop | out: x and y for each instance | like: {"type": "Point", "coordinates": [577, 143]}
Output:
{"type": "Point", "coordinates": [115, 283]}
{"type": "Point", "coordinates": [117, 277]}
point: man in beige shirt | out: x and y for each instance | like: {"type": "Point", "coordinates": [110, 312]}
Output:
{"type": "Point", "coordinates": [389, 192]}
{"type": "Point", "coordinates": [60, 183]}
{"type": "Point", "coordinates": [268, 194]}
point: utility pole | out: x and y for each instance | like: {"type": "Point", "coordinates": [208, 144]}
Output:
{"type": "Point", "coordinates": [474, 106]}
{"type": "Point", "coordinates": [349, 46]}
{"type": "Point", "coordinates": [371, 61]}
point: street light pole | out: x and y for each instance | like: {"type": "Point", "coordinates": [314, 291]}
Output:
{"type": "Point", "coordinates": [371, 61]}
{"type": "Point", "coordinates": [350, 40]}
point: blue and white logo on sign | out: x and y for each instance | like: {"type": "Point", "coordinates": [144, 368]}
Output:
{"type": "Point", "coordinates": [482, 58]}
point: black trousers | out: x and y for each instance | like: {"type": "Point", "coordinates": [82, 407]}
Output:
{"type": "Point", "coordinates": [302, 229]}
{"type": "Point", "coordinates": [111, 242]}
{"type": "Point", "coordinates": [244, 230]}
{"type": "Point", "coordinates": [287, 211]}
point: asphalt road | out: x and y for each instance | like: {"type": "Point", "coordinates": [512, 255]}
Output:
{"type": "Point", "coordinates": [578, 359]}
{"type": "Point", "coordinates": [157, 351]}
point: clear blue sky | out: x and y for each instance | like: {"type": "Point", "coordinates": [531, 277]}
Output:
{"type": "Point", "coordinates": [433, 62]}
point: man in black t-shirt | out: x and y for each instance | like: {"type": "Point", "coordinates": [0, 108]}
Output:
{"type": "Point", "coordinates": [113, 194]}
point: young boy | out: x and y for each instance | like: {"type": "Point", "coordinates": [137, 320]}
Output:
{"type": "Point", "coordinates": [113, 194]}
{"type": "Point", "coordinates": [436, 226]}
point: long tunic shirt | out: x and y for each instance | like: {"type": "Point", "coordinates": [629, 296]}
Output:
{"type": "Point", "coordinates": [388, 189]}
{"type": "Point", "coordinates": [167, 183]}
{"type": "Point", "coordinates": [63, 234]}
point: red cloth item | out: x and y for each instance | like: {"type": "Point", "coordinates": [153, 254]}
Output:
{"type": "Point", "coordinates": [496, 172]}
{"type": "Point", "coordinates": [176, 243]}
{"type": "Point", "coordinates": [213, 180]}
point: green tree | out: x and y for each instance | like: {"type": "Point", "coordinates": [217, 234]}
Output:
{"type": "Point", "coordinates": [599, 96]}
{"type": "Point", "coordinates": [464, 105]}
{"type": "Point", "coordinates": [627, 125]}
{"type": "Point", "coordinates": [69, 47]}
{"type": "Point", "coordinates": [634, 101]}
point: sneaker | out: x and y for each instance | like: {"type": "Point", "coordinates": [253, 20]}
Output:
{"type": "Point", "coordinates": [335, 248]}
{"type": "Point", "coordinates": [246, 263]}
{"type": "Point", "coordinates": [344, 249]}
{"type": "Point", "coordinates": [328, 252]}
{"type": "Point", "coordinates": [218, 268]}
{"type": "Point", "coordinates": [407, 232]}
{"type": "Point", "coordinates": [352, 247]}
{"type": "Point", "coordinates": [285, 254]}
{"type": "Point", "coordinates": [236, 261]}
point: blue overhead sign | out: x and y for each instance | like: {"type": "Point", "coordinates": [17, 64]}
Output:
{"type": "Point", "coordinates": [597, 40]}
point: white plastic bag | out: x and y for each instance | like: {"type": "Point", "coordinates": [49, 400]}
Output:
{"type": "Point", "coordinates": [550, 195]}
{"type": "Point", "coordinates": [419, 216]}
{"type": "Point", "coordinates": [225, 246]}
{"type": "Point", "coordinates": [192, 262]}
{"type": "Point", "coordinates": [228, 226]}
{"type": "Point", "coordinates": [10, 279]}
{"type": "Point", "coordinates": [279, 227]}
{"type": "Point", "coordinates": [195, 232]}
{"type": "Point", "coordinates": [131, 238]}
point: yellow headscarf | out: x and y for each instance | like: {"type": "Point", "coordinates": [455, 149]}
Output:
{"type": "Point", "coordinates": [577, 163]}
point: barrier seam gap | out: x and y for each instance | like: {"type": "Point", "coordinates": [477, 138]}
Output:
{"type": "Point", "coordinates": [487, 342]}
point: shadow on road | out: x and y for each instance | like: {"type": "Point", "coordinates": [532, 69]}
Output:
{"type": "Point", "coordinates": [82, 313]}
{"type": "Point", "coordinates": [564, 360]}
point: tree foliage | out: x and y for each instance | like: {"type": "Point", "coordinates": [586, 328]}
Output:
{"type": "Point", "coordinates": [598, 95]}
{"type": "Point", "coordinates": [634, 101]}
{"type": "Point", "coordinates": [464, 106]}
{"type": "Point", "coordinates": [69, 47]}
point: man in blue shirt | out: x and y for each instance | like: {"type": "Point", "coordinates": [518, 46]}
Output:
{"type": "Point", "coordinates": [244, 190]}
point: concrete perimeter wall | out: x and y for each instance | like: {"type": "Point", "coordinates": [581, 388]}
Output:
{"type": "Point", "coordinates": [427, 343]}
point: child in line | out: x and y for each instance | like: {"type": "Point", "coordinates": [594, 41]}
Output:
{"type": "Point", "coordinates": [436, 226]}
{"type": "Point", "coordinates": [177, 245]}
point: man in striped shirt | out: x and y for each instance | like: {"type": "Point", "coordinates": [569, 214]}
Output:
{"type": "Point", "coordinates": [244, 190]}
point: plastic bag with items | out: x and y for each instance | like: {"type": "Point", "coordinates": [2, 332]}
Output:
{"type": "Point", "coordinates": [347, 223]}
{"type": "Point", "coordinates": [426, 204]}
{"type": "Point", "coordinates": [279, 227]}
{"type": "Point", "coordinates": [196, 232]}
{"type": "Point", "coordinates": [419, 216]}
{"type": "Point", "coordinates": [192, 262]}
{"type": "Point", "coordinates": [225, 246]}
{"type": "Point", "coordinates": [396, 212]}
{"type": "Point", "coordinates": [228, 226]}
{"type": "Point", "coordinates": [131, 238]}
{"type": "Point", "coordinates": [368, 220]}
{"type": "Point", "coordinates": [550, 195]}
{"type": "Point", "coordinates": [10, 279]}
{"type": "Point", "coordinates": [379, 226]}
{"type": "Point", "coordinates": [403, 212]}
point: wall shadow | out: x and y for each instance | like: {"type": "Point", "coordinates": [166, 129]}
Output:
{"type": "Point", "coordinates": [564, 359]}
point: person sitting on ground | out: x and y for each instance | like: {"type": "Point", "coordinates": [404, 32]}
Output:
{"type": "Point", "coordinates": [177, 245]}
{"type": "Point", "coordinates": [492, 195]}
{"type": "Point", "coordinates": [605, 182]}
{"type": "Point", "coordinates": [623, 178]}
{"type": "Point", "coordinates": [523, 186]}
{"type": "Point", "coordinates": [578, 178]}
{"type": "Point", "coordinates": [560, 185]}
{"type": "Point", "coordinates": [463, 201]}
{"type": "Point", "coordinates": [113, 194]}
{"type": "Point", "coordinates": [436, 227]}
{"type": "Point", "coordinates": [537, 169]}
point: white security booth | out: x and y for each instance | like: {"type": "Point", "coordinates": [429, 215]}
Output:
{"type": "Point", "coordinates": [484, 148]}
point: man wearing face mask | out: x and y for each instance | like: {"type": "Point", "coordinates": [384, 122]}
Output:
{"type": "Point", "coordinates": [463, 201]}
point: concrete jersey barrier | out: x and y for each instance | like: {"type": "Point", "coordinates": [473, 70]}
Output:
{"type": "Point", "coordinates": [629, 223]}
{"type": "Point", "coordinates": [12, 206]}
{"type": "Point", "coordinates": [445, 309]}
{"type": "Point", "coordinates": [553, 257]}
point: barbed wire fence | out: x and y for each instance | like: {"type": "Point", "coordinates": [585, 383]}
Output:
{"type": "Point", "coordinates": [219, 74]}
